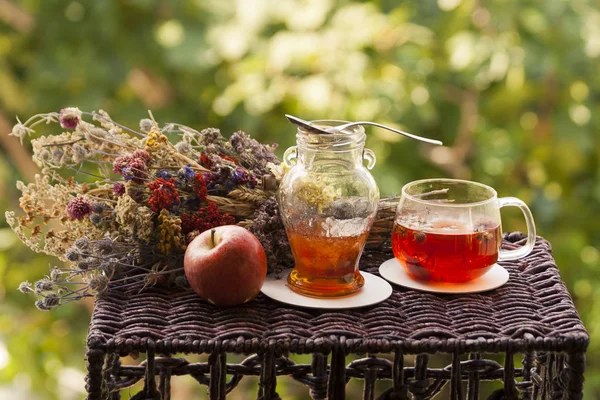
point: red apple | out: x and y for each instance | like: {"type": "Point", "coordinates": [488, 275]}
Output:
{"type": "Point", "coordinates": [226, 265]}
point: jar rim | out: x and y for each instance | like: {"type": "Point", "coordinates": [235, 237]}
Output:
{"type": "Point", "coordinates": [354, 135]}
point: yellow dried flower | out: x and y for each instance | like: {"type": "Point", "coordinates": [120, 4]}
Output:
{"type": "Point", "coordinates": [154, 140]}
{"type": "Point", "coordinates": [170, 236]}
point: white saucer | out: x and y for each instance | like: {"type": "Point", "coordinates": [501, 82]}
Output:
{"type": "Point", "coordinates": [393, 271]}
{"type": "Point", "coordinates": [375, 290]}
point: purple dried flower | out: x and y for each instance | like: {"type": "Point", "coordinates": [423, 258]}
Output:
{"type": "Point", "coordinates": [78, 208]}
{"type": "Point", "coordinates": [119, 189]}
{"type": "Point", "coordinates": [135, 171]}
{"type": "Point", "coordinates": [163, 173]}
{"type": "Point", "coordinates": [239, 176]}
{"type": "Point", "coordinates": [253, 155]}
{"type": "Point", "coordinates": [189, 173]}
{"type": "Point", "coordinates": [69, 117]}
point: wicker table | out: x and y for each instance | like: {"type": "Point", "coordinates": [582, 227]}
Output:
{"type": "Point", "coordinates": [532, 315]}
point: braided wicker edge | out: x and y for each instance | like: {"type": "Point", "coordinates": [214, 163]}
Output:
{"type": "Point", "coordinates": [575, 343]}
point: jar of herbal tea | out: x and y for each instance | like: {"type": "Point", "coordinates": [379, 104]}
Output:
{"type": "Point", "coordinates": [328, 201]}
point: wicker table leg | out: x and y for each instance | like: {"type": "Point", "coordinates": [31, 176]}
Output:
{"type": "Point", "coordinates": [319, 371]}
{"type": "Point", "coordinates": [575, 366]}
{"type": "Point", "coordinates": [94, 384]}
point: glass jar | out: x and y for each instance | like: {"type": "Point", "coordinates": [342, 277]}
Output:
{"type": "Point", "coordinates": [328, 201]}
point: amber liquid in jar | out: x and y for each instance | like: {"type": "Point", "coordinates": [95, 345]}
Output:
{"type": "Point", "coordinates": [325, 266]}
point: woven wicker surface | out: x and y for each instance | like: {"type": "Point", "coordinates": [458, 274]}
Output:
{"type": "Point", "coordinates": [533, 311]}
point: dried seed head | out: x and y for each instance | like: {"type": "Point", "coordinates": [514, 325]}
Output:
{"type": "Point", "coordinates": [55, 274]}
{"type": "Point", "coordinates": [41, 306]}
{"type": "Point", "coordinates": [146, 125]}
{"type": "Point", "coordinates": [98, 284]}
{"type": "Point", "coordinates": [51, 300]}
{"type": "Point", "coordinates": [25, 287]}
{"type": "Point", "coordinates": [96, 219]}
{"type": "Point", "coordinates": [72, 254]}
{"type": "Point", "coordinates": [83, 243]}
{"type": "Point", "coordinates": [43, 285]}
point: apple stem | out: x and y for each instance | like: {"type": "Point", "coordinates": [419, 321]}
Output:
{"type": "Point", "coordinates": [212, 237]}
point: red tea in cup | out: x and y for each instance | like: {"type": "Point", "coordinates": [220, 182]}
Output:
{"type": "Point", "coordinates": [449, 253]}
{"type": "Point", "coordinates": [449, 230]}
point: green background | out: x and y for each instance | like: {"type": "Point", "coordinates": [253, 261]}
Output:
{"type": "Point", "coordinates": [511, 88]}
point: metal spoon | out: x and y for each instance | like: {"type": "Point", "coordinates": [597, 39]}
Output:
{"type": "Point", "coordinates": [337, 129]}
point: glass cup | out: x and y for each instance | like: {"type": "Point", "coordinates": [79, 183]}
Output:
{"type": "Point", "coordinates": [449, 230]}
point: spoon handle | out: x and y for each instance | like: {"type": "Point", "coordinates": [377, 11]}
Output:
{"type": "Point", "coordinates": [410, 135]}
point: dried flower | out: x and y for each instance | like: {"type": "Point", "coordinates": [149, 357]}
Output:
{"type": "Point", "coordinates": [98, 284]}
{"type": "Point", "coordinates": [103, 246]}
{"type": "Point", "coordinates": [51, 300]}
{"type": "Point", "coordinates": [125, 210]}
{"type": "Point", "coordinates": [146, 125]}
{"type": "Point", "coordinates": [268, 227]}
{"type": "Point", "coordinates": [142, 155]}
{"type": "Point", "coordinates": [136, 191]}
{"type": "Point", "coordinates": [163, 194]}
{"type": "Point", "coordinates": [98, 207]}
{"type": "Point", "coordinates": [25, 287]}
{"type": "Point", "coordinates": [72, 254]}
{"type": "Point", "coordinates": [19, 130]}
{"type": "Point", "coordinates": [200, 187]}
{"type": "Point", "coordinates": [82, 243]}
{"type": "Point", "coordinates": [205, 161]}
{"type": "Point", "coordinates": [170, 236]}
{"type": "Point", "coordinates": [55, 274]}
{"type": "Point", "coordinates": [86, 264]}
{"type": "Point", "coordinates": [205, 218]}
{"type": "Point", "coordinates": [209, 136]}
{"type": "Point", "coordinates": [43, 285]}
{"type": "Point", "coordinates": [95, 219]}
{"type": "Point", "coordinates": [144, 224]}
{"type": "Point", "coordinates": [78, 208]}
{"type": "Point", "coordinates": [41, 305]}
{"type": "Point", "coordinates": [163, 173]}
{"type": "Point", "coordinates": [118, 189]}
{"type": "Point", "coordinates": [70, 117]}
{"type": "Point", "coordinates": [183, 147]}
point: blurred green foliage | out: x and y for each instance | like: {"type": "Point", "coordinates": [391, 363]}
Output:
{"type": "Point", "coordinates": [511, 87]}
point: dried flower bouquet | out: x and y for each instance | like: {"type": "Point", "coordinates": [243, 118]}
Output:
{"type": "Point", "coordinates": [135, 199]}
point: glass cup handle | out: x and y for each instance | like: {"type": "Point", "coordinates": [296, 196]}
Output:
{"type": "Point", "coordinates": [528, 246]}
{"type": "Point", "coordinates": [370, 157]}
{"type": "Point", "coordinates": [290, 156]}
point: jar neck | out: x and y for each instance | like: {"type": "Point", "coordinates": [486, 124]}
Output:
{"type": "Point", "coordinates": [330, 152]}
{"type": "Point", "coordinates": [329, 160]}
